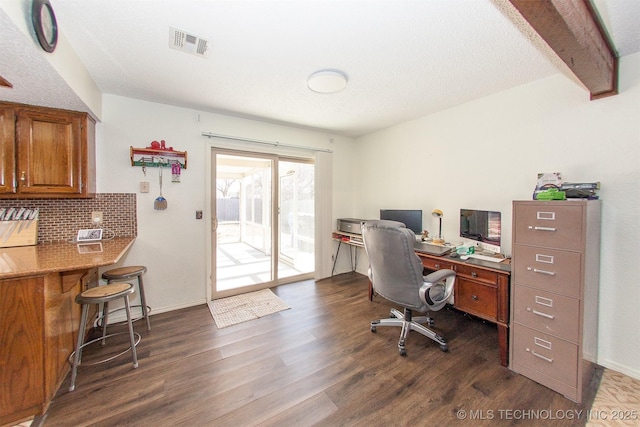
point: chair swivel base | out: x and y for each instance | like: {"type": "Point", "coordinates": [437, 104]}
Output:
{"type": "Point", "coordinates": [407, 323]}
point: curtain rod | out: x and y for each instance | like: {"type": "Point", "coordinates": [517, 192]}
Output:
{"type": "Point", "coordinates": [257, 141]}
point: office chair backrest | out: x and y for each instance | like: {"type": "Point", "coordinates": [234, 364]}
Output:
{"type": "Point", "coordinates": [395, 270]}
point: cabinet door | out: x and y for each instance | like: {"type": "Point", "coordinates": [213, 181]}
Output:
{"type": "Point", "coordinates": [7, 150]}
{"type": "Point", "coordinates": [49, 148]}
{"type": "Point", "coordinates": [21, 348]}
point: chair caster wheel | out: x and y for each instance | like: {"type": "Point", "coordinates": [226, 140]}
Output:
{"type": "Point", "coordinates": [373, 328]}
{"type": "Point", "coordinates": [402, 352]}
{"type": "Point", "coordinates": [444, 347]}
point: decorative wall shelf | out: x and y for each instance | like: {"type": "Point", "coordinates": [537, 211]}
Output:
{"type": "Point", "coordinates": [150, 157]}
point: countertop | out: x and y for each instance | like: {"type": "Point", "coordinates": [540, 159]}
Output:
{"type": "Point", "coordinates": [60, 256]}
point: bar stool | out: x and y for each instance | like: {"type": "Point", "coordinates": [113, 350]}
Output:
{"type": "Point", "coordinates": [127, 273]}
{"type": "Point", "coordinates": [102, 295]}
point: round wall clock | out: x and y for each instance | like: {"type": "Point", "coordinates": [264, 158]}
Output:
{"type": "Point", "coordinates": [45, 24]}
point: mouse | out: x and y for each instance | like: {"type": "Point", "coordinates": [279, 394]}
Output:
{"type": "Point", "coordinates": [453, 255]}
{"type": "Point", "coordinates": [464, 257]}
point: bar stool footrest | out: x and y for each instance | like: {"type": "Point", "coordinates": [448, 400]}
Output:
{"type": "Point", "coordinates": [98, 321]}
{"type": "Point", "coordinates": [108, 359]}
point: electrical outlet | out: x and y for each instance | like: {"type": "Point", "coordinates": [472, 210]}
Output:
{"type": "Point", "coordinates": [96, 217]}
{"type": "Point", "coordinates": [144, 187]}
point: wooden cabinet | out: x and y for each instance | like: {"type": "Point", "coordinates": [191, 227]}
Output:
{"type": "Point", "coordinates": [556, 253]}
{"type": "Point", "coordinates": [480, 291]}
{"type": "Point", "coordinates": [38, 329]}
{"type": "Point", "coordinates": [46, 152]}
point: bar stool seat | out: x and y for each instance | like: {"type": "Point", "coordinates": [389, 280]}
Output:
{"type": "Point", "coordinates": [125, 274]}
{"type": "Point", "coordinates": [103, 295]}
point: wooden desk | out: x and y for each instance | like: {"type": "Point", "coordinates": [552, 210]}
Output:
{"type": "Point", "coordinates": [480, 290]}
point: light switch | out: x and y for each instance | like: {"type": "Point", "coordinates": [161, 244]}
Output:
{"type": "Point", "coordinates": [144, 187]}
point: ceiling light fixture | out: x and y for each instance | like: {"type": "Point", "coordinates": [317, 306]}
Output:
{"type": "Point", "coordinates": [327, 81]}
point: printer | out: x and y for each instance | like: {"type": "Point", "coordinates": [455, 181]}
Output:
{"type": "Point", "coordinates": [350, 225]}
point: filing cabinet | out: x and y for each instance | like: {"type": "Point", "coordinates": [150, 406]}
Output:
{"type": "Point", "coordinates": [554, 293]}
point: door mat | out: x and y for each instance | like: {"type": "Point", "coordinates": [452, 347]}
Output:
{"type": "Point", "coordinates": [241, 308]}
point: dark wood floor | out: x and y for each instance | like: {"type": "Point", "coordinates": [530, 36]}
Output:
{"type": "Point", "coordinates": [315, 364]}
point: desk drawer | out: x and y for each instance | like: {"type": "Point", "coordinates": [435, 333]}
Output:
{"type": "Point", "coordinates": [546, 312]}
{"type": "Point", "coordinates": [436, 264]}
{"type": "Point", "coordinates": [549, 225]}
{"type": "Point", "coordinates": [549, 355]}
{"type": "Point", "coordinates": [548, 269]}
{"type": "Point", "coordinates": [476, 298]}
{"type": "Point", "coordinates": [477, 274]}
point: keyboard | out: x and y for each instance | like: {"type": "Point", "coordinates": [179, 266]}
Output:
{"type": "Point", "coordinates": [486, 258]}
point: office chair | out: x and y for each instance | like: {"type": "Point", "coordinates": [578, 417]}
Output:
{"type": "Point", "coordinates": [395, 272]}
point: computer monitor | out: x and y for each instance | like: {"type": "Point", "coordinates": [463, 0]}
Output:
{"type": "Point", "coordinates": [411, 218]}
{"type": "Point", "coordinates": [482, 226]}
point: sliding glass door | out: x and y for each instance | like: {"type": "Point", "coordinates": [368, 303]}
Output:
{"type": "Point", "coordinates": [297, 218]}
{"type": "Point", "coordinates": [262, 225]}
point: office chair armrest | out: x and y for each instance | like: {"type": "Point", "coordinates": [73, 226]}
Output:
{"type": "Point", "coordinates": [433, 293]}
{"type": "Point", "coordinates": [439, 275]}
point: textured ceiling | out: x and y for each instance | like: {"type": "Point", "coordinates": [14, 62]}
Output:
{"type": "Point", "coordinates": [404, 59]}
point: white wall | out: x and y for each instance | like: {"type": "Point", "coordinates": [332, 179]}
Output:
{"type": "Point", "coordinates": [172, 243]}
{"type": "Point", "coordinates": [486, 153]}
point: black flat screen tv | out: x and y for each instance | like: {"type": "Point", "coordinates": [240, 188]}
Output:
{"type": "Point", "coordinates": [481, 226]}
{"type": "Point", "coordinates": [411, 218]}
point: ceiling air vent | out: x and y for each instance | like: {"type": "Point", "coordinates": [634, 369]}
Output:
{"type": "Point", "coordinates": [185, 42]}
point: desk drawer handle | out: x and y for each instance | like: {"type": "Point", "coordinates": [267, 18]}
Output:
{"type": "Point", "coordinates": [542, 228]}
{"type": "Point", "coordinates": [474, 297]}
{"type": "Point", "coordinates": [474, 274]}
{"type": "Point", "coordinates": [536, 270]}
{"type": "Point", "coordinates": [436, 265]}
{"type": "Point", "coordinates": [539, 313]}
{"type": "Point", "coordinates": [547, 359]}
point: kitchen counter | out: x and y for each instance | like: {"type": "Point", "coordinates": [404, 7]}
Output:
{"type": "Point", "coordinates": [39, 318]}
{"type": "Point", "coordinates": [56, 257]}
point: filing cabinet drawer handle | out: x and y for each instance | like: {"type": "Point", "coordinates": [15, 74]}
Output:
{"type": "Point", "coordinates": [541, 356]}
{"type": "Point", "coordinates": [536, 270]}
{"type": "Point", "coordinates": [542, 228]}
{"type": "Point", "coordinates": [539, 313]}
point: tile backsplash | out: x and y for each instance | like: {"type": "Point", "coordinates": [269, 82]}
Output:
{"type": "Point", "coordinates": [60, 219]}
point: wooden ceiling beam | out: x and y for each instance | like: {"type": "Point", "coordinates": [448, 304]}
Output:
{"type": "Point", "coordinates": [573, 30]}
{"type": "Point", "coordinates": [5, 82]}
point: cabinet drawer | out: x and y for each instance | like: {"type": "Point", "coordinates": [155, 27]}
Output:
{"type": "Point", "coordinates": [546, 312]}
{"type": "Point", "coordinates": [476, 298]}
{"type": "Point", "coordinates": [546, 354]}
{"type": "Point", "coordinates": [435, 264]}
{"type": "Point", "coordinates": [478, 274]}
{"type": "Point", "coordinates": [549, 225]}
{"type": "Point", "coordinates": [548, 269]}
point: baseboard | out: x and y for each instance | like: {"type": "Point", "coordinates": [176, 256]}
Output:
{"type": "Point", "coordinates": [633, 373]}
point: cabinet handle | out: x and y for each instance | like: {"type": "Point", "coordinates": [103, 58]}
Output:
{"type": "Point", "coordinates": [542, 228]}
{"type": "Point", "coordinates": [437, 265]}
{"type": "Point", "coordinates": [541, 356]}
{"type": "Point", "coordinates": [474, 274]}
{"type": "Point", "coordinates": [23, 176]}
{"type": "Point", "coordinates": [535, 270]}
{"type": "Point", "coordinates": [539, 313]}
{"type": "Point", "coordinates": [474, 297]}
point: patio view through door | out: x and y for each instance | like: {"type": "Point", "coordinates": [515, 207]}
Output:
{"type": "Point", "coordinates": [263, 225]}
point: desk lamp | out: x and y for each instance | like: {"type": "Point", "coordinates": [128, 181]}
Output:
{"type": "Point", "coordinates": [438, 239]}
